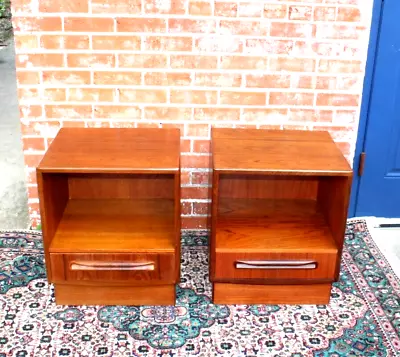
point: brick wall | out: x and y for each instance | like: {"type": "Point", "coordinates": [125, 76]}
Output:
{"type": "Point", "coordinates": [190, 64]}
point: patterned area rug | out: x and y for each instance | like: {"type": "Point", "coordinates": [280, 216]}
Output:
{"type": "Point", "coordinates": [363, 318]}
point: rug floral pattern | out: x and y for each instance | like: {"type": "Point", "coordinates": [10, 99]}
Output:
{"type": "Point", "coordinates": [362, 319]}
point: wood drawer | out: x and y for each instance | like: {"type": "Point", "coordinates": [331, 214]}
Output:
{"type": "Point", "coordinates": [113, 267]}
{"type": "Point", "coordinates": [275, 266]}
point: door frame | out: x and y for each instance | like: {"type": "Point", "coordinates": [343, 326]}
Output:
{"type": "Point", "coordinates": [366, 100]}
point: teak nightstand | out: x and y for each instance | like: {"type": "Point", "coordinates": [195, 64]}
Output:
{"type": "Point", "coordinates": [110, 208]}
{"type": "Point", "coordinates": [279, 212]}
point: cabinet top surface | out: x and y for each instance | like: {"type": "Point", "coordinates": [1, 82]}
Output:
{"type": "Point", "coordinates": [289, 152]}
{"type": "Point", "coordinates": [102, 150]}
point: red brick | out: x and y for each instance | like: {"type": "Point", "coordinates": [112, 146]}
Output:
{"type": "Point", "coordinates": [32, 160]}
{"type": "Point", "coordinates": [142, 61]}
{"type": "Point", "coordinates": [186, 208]}
{"type": "Point", "coordinates": [199, 130]}
{"type": "Point", "coordinates": [132, 43]}
{"type": "Point", "coordinates": [338, 133]}
{"type": "Point", "coordinates": [33, 144]}
{"type": "Point", "coordinates": [164, 6]}
{"type": "Point", "coordinates": [201, 177]}
{"type": "Point", "coordinates": [292, 64]}
{"type": "Point", "coordinates": [216, 114]}
{"type": "Point", "coordinates": [68, 111]}
{"type": "Point", "coordinates": [194, 62]}
{"type": "Point", "coordinates": [339, 66]}
{"type": "Point", "coordinates": [63, 6]}
{"type": "Point", "coordinates": [194, 192]}
{"type": "Point", "coordinates": [88, 24]}
{"type": "Point", "coordinates": [28, 94]}
{"type": "Point", "coordinates": [324, 13]}
{"type": "Point", "coordinates": [189, 25]}
{"type": "Point", "coordinates": [348, 100]}
{"type": "Point", "coordinates": [162, 43]}
{"type": "Point", "coordinates": [350, 83]}
{"type": "Point", "coordinates": [31, 176]}
{"type": "Point", "coordinates": [23, 6]}
{"type": "Point", "coordinates": [40, 128]}
{"type": "Point", "coordinates": [30, 111]}
{"type": "Point", "coordinates": [218, 79]}
{"type": "Point", "coordinates": [167, 79]}
{"type": "Point", "coordinates": [64, 42]}
{"type": "Point", "coordinates": [185, 175]}
{"type": "Point", "coordinates": [117, 112]}
{"type": "Point", "coordinates": [218, 43]}
{"type": "Point", "coordinates": [310, 115]}
{"type": "Point", "coordinates": [142, 96]}
{"type": "Point", "coordinates": [116, 7]}
{"type": "Point", "coordinates": [91, 95]}
{"type": "Point", "coordinates": [291, 98]}
{"type": "Point", "coordinates": [66, 77]}
{"type": "Point", "coordinates": [202, 146]}
{"type": "Point", "coordinates": [344, 148]}
{"type": "Point", "coordinates": [25, 77]}
{"type": "Point", "coordinates": [117, 78]}
{"type": "Point", "coordinates": [202, 208]}
{"type": "Point", "coordinates": [26, 42]}
{"type": "Point", "coordinates": [339, 32]}
{"type": "Point", "coordinates": [351, 14]}
{"type": "Point", "coordinates": [250, 9]}
{"type": "Point", "coordinates": [244, 62]}
{"type": "Point", "coordinates": [284, 29]}
{"type": "Point", "coordinates": [243, 27]}
{"type": "Point", "coordinates": [196, 161]}
{"type": "Point", "coordinates": [27, 24]}
{"type": "Point", "coordinates": [275, 11]}
{"type": "Point", "coordinates": [193, 96]}
{"type": "Point", "coordinates": [225, 9]}
{"type": "Point", "coordinates": [326, 82]}
{"type": "Point", "coordinates": [195, 222]}
{"type": "Point", "coordinates": [33, 192]}
{"type": "Point", "coordinates": [39, 60]}
{"type": "Point", "coordinates": [122, 124]}
{"type": "Point", "coordinates": [98, 124]}
{"type": "Point", "coordinates": [346, 117]}
{"type": "Point", "coordinates": [181, 127]}
{"type": "Point", "coordinates": [141, 25]}
{"type": "Point", "coordinates": [269, 46]}
{"type": "Point", "coordinates": [243, 98]}
{"type": "Point", "coordinates": [265, 115]}
{"type": "Point", "coordinates": [268, 81]}
{"type": "Point", "coordinates": [185, 147]}
{"type": "Point", "coordinates": [167, 113]}
{"type": "Point", "coordinates": [300, 12]}
{"type": "Point", "coordinates": [200, 7]}
{"type": "Point", "coordinates": [91, 60]}
{"type": "Point", "coordinates": [73, 124]}
{"type": "Point", "coordinates": [54, 94]}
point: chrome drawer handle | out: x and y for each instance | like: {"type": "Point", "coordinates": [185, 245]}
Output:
{"type": "Point", "coordinates": [112, 266]}
{"type": "Point", "coordinates": [275, 264]}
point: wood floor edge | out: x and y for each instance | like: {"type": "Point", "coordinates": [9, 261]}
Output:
{"type": "Point", "coordinates": [244, 294]}
{"type": "Point", "coordinates": [115, 295]}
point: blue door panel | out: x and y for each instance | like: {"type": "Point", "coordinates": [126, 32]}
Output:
{"type": "Point", "coordinates": [379, 190]}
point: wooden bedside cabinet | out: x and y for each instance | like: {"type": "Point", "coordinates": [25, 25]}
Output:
{"type": "Point", "coordinates": [279, 212]}
{"type": "Point", "coordinates": [110, 208]}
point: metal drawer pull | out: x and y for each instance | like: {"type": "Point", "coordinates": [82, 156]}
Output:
{"type": "Point", "coordinates": [111, 266]}
{"type": "Point", "coordinates": [276, 264]}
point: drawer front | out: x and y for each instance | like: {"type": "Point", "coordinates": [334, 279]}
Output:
{"type": "Point", "coordinates": [113, 267]}
{"type": "Point", "coordinates": [275, 266]}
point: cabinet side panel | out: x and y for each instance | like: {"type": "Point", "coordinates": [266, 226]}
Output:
{"type": "Point", "coordinates": [177, 226]}
{"type": "Point", "coordinates": [333, 200]}
{"type": "Point", "coordinates": [53, 198]}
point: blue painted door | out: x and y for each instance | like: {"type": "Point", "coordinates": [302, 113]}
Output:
{"type": "Point", "coordinates": [379, 190]}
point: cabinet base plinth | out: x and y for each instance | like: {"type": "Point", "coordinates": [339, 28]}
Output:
{"type": "Point", "coordinates": [243, 294]}
{"type": "Point", "coordinates": [114, 295]}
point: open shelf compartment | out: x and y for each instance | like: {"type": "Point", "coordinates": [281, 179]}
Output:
{"type": "Point", "coordinates": [100, 213]}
